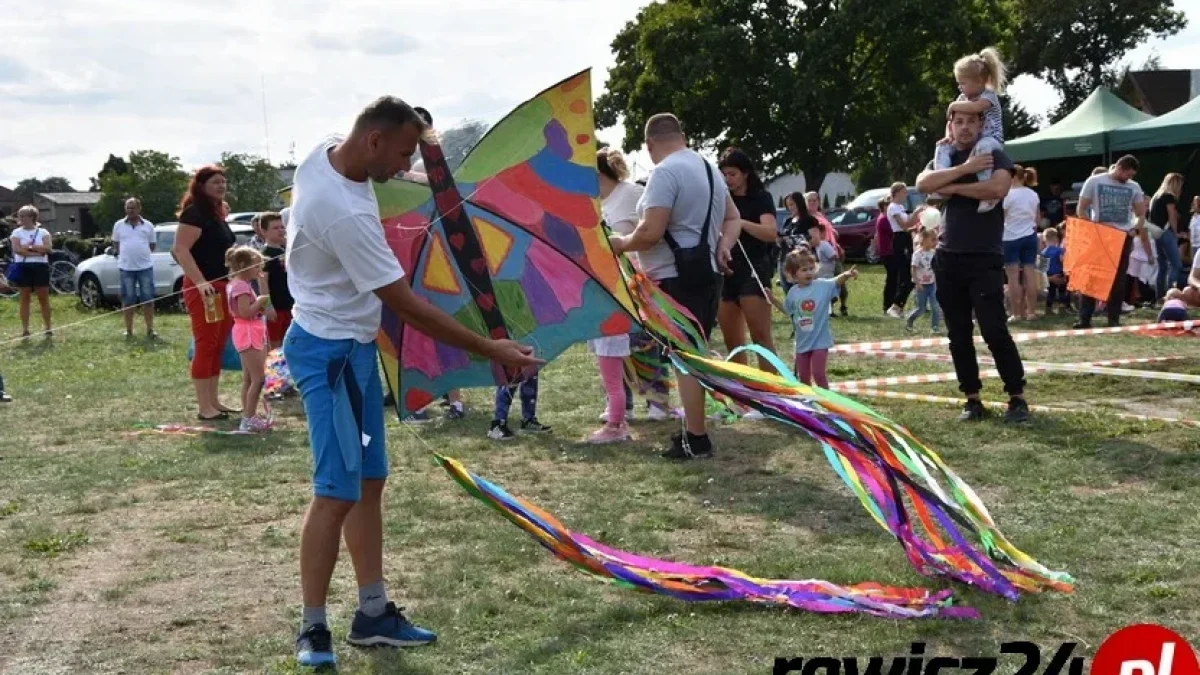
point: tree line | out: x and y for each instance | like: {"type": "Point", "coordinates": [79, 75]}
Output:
{"type": "Point", "coordinates": [825, 85]}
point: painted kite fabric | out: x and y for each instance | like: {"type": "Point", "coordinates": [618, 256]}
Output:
{"type": "Point", "coordinates": [512, 246]}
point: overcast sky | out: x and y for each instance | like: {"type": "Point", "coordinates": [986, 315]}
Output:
{"type": "Point", "coordinates": [80, 79]}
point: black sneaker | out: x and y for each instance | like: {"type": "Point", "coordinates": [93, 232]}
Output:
{"type": "Point", "coordinates": [697, 447]}
{"type": "Point", "coordinates": [1082, 325]}
{"type": "Point", "coordinates": [973, 411]}
{"type": "Point", "coordinates": [314, 647]}
{"type": "Point", "coordinates": [389, 400]}
{"type": "Point", "coordinates": [500, 432]}
{"type": "Point", "coordinates": [533, 426]}
{"type": "Point", "coordinates": [1018, 411]}
{"type": "Point", "coordinates": [456, 411]}
{"type": "Point", "coordinates": [5, 398]}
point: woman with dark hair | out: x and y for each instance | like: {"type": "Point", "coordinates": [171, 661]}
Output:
{"type": "Point", "coordinates": [793, 232]}
{"type": "Point", "coordinates": [201, 241]}
{"type": "Point", "coordinates": [744, 295]}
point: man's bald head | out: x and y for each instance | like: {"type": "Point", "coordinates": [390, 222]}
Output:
{"type": "Point", "coordinates": [664, 135]}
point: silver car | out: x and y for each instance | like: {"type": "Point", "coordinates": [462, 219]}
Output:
{"type": "Point", "coordinates": [98, 279]}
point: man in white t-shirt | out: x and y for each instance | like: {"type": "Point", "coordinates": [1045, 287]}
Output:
{"type": "Point", "coordinates": [134, 238]}
{"type": "Point", "coordinates": [341, 273]}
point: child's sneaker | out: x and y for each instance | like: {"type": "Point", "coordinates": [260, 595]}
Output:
{"type": "Point", "coordinates": [988, 205]}
{"type": "Point", "coordinates": [500, 432]}
{"type": "Point", "coordinates": [254, 425]}
{"type": "Point", "coordinates": [456, 411]}
{"type": "Point", "coordinates": [909, 328]}
{"type": "Point", "coordinates": [533, 426]}
{"type": "Point", "coordinates": [419, 417]}
{"type": "Point", "coordinates": [655, 414]}
{"type": "Point", "coordinates": [609, 434]}
{"type": "Point", "coordinates": [629, 413]}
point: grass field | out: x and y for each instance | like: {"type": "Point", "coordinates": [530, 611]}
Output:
{"type": "Point", "coordinates": [149, 554]}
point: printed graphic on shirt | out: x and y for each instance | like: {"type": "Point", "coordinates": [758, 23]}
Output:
{"type": "Point", "coordinates": [1113, 203]}
{"type": "Point", "coordinates": [804, 319]}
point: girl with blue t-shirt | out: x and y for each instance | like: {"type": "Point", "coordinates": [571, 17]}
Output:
{"type": "Point", "coordinates": [807, 304]}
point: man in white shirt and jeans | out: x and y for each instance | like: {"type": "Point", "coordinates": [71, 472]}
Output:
{"type": "Point", "coordinates": [341, 272]}
{"type": "Point", "coordinates": [134, 238]}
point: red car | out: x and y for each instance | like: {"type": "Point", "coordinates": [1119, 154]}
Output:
{"type": "Point", "coordinates": [856, 226]}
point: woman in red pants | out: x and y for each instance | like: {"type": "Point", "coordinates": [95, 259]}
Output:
{"type": "Point", "coordinates": [201, 241]}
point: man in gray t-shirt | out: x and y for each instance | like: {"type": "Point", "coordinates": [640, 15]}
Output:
{"type": "Point", "coordinates": [684, 190]}
{"type": "Point", "coordinates": [679, 183]}
{"type": "Point", "coordinates": [1114, 199]}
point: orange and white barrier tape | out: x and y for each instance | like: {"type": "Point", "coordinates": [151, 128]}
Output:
{"type": "Point", "coordinates": [891, 345]}
{"type": "Point", "coordinates": [904, 396]}
{"type": "Point", "coordinates": [1031, 368]}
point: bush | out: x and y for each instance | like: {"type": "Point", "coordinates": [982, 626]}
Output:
{"type": "Point", "coordinates": [84, 248]}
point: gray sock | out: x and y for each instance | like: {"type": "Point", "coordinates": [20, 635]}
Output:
{"type": "Point", "coordinates": [372, 599]}
{"type": "Point", "coordinates": [313, 616]}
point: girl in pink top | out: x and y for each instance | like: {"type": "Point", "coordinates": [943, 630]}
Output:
{"type": "Point", "coordinates": [249, 331]}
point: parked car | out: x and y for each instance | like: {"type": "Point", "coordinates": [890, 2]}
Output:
{"type": "Point", "coordinates": [98, 279]}
{"type": "Point", "coordinates": [856, 225]}
{"type": "Point", "coordinates": [242, 217]}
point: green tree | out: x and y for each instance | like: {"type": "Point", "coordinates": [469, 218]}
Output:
{"type": "Point", "coordinates": [253, 181]}
{"type": "Point", "coordinates": [28, 188]}
{"type": "Point", "coordinates": [1078, 45]}
{"type": "Point", "coordinates": [810, 87]}
{"type": "Point", "coordinates": [114, 164]}
{"type": "Point", "coordinates": [156, 178]}
{"type": "Point", "coordinates": [457, 141]}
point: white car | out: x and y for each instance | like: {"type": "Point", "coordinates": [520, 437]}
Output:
{"type": "Point", "coordinates": [98, 279]}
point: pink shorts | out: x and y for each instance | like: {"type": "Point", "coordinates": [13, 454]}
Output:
{"type": "Point", "coordinates": [249, 334]}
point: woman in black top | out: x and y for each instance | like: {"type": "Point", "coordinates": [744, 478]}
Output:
{"type": "Point", "coordinates": [794, 231]}
{"type": "Point", "coordinates": [1164, 212]}
{"type": "Point", "coordinates": [201, 241]}
{"type": "Point", "coordinates": [744, 301]}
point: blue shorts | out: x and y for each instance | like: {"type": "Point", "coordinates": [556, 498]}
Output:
{"type": "Point", "coordinates": [343, 399]}
{"type": "Point", "coordinates": [1021, 251]}
{"type": "Point", "coordinates": [137, 286]}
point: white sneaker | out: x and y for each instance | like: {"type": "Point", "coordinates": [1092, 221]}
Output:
{"type": "Point", "coordinates": [1127, 308]}
{"type": "Point", "coordinates": [655, 414]}
{"type": "Point", "coordinates": [895, 312]}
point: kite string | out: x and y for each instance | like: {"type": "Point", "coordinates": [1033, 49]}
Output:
{"type": "Point", "coordinates": [172, 294]}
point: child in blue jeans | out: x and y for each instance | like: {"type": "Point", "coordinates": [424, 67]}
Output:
{"type": "Point", "coordinates": [529, 420]}
{"type": "Point", "coordinates": [922, 274]}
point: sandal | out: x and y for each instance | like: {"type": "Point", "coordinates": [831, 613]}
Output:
{"type": "Point", "coordinates": [214, 418]}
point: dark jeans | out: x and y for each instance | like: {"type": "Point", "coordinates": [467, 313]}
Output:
{"type": "Point", "coordinates": [974, 284]}
{"type": "Point", "coordinates": [1057, 292]}
{"type": "Point", "coordinates": [1116, 296]}
{"type": "Point", "coordinates": [529, 394]}
{"type": "Point", "coordinates": [899, 272]}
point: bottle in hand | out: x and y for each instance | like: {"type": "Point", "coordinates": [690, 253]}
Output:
{"type": "Point", "coordinates": [213, 312]}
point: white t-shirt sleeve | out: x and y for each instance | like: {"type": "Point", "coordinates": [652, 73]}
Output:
{"type": "Point", "coordinates": [1196, 261]}
{"type": "Point", "coordinates": [365, 255]}
{"type": "Point", "coordinates": [116, 235]}
{"type": "Point", "coordinates": [896, 216]}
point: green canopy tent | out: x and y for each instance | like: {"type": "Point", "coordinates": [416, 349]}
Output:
{"type": "Point", "coordinates": [1179, 127]}
{"type": "Point", "coordinates": [1085, 132]}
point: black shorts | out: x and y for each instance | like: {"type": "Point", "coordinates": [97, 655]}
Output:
{"type": "Point", "coordinates": [742, 283]}
{"type": "Point", "coordinates": [701, 299]}
{"type": "Point", "coordinates": [33, 275]}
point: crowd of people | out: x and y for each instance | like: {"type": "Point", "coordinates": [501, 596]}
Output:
{"type": "Point", "coordinates": [706, 235]}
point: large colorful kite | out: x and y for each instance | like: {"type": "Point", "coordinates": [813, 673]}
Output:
{"type": "Point", "coordinates": [511, 244]}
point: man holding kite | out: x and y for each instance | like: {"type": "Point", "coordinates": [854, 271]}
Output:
{"type": "Point", "coordinates": [341, 273]}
